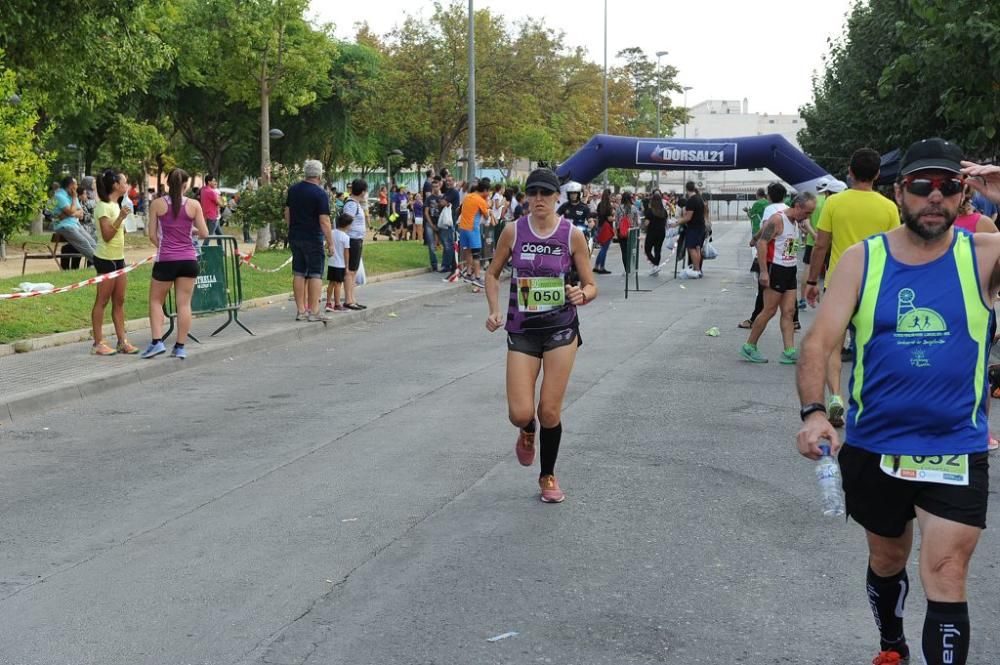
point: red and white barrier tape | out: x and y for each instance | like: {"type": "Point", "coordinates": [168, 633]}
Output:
{"type": "Point", "coordinates": [78, 285]}
{"type": "Point", "coordinates": [245, 260]}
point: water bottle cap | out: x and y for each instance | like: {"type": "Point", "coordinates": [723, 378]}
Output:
{"type": "Point", "coordinates": [825, 447]}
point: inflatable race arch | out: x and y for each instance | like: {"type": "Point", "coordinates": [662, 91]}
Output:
{"type": "Point", "coordinates": [772, 151]}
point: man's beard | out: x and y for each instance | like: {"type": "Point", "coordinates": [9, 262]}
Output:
{"type": "Point", "coordinates": [912, 221]}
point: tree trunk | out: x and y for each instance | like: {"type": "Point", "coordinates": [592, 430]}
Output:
{"type": "Point", "coordinates": [264, 232]}
{"type": "Point", "coordinates": [159, 174]}
{"type": "Point", "coordinates": [37, 224]}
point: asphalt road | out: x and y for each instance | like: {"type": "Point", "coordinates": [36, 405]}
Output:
{"type": "Point", "coordinates": [355, 499]}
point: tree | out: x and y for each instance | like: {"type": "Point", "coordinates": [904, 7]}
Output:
{"type": "Point", "coordinates": [79, 55]}
{"type": "Point", "coordinates": [901, 73]}
{"type": "Point", "coordinates": [644, 81]}
{"type": "Point", "coordinates": [23, 167]}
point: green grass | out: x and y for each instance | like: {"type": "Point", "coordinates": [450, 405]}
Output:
{"type": "Point", "coordinates": [45, 315]}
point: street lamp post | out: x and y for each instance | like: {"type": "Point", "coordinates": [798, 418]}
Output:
{"type": "Point", "coordinates": [686, 88]}
{"type": "Point", "coordinates": [605, 81]}
{"type": "Point", "coordinates": [659, 54]}
{"type": "Point", "coordinates": [472, 91]}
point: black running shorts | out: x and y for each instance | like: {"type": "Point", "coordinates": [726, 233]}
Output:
{"type": "Point", "coordinates": [537, 343]}
{"type": "Point", "coordinates": [885, 505]}
{"type": "Point", "coordinates": [783, 278]}
{"type": "Point", "coordinates": [168, 271]}
{"type": "Point", "coordinates": [104, 266]}
{"type": "Point", "coordinates": [807, 255]}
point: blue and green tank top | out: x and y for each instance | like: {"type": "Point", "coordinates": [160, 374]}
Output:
{"type": "Point", "coordinates": [922, 336]}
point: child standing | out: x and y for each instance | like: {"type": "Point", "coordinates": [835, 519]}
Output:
{"type": "Point", "coordinates": [336, 265]}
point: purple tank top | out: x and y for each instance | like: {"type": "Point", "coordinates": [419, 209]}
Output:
{"type": "Point", "coordinates": [174, 233]}
{"type": "Point", "coordinates": [541, 266]}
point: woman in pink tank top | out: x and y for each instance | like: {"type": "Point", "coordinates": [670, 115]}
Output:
{"type": "Point", "coordinates": [970, 219]}
{"type": "Point", "coordinates": [171, 219]}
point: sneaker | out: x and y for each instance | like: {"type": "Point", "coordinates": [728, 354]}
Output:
{"type": "Point", "coordinates": [330, 307]}
{"type": "Point", "coordinates": [835, 411]}
{"type": "Point", "coordinates": [316, 318]}
{"type": "Point", "coordinates": [802, 303]}
{"type": "Point", "coordinates": [525, 447]}
{"type": "Point", "coordinates": [126, 348]}
{"type": "Point", "coordinates": [102, 349]}
{"type": "Point", "coordinates": [154, 349]}
{"type": "Point", "coordinates": [750, 352]}
{"type": "Point", "coordinates": [179, 352]}
{"type": "Point", "coordinates": [892, 657]}
{"type": "Point", "coordinates": [301, 316]}
{"type": "Point", "coordinates": [339, 308]}
{"type": "Point", "coordinates": [479, 282]}
{"type": "Point", "coordinates": [354, 306]}
{"type": "Point", "coordinates": [654, 270]}
{"type": "Point", "coordinates": [550, 489]}
{"type": "Point", "coordinates": [789, 357]}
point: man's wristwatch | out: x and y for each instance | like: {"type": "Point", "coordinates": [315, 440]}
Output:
{"type": "Point", "coordinates": [810, 282]}
{"type": "Point", "coordinates": [810, 409]}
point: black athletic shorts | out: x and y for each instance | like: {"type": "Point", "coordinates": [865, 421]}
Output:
{"type": "Point", "coordinates": [885, 505]}
{"type": "Point", "coordinates": [104, 266]}
{"type": "Point", "coordinates": [537, 343]}
{"type": "Point", "coordinates": [783, 278]}
{"type": "Point", "coordinates": [354, 260]}
{"type": "Point", "coordinates": [168, 271]}
{"type": "Point", "coordinates": [335, 274]}
{"type": "Point", "coordinates": [808, 254]}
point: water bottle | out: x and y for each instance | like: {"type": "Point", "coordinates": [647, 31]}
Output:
{"type": "Point", "coordinates": [828, 474]}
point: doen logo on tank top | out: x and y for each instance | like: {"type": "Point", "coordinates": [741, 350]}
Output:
{"type": "Point", "coordinates": [918, 326]}
{"type": "Point", "coordinates": [530, 249]}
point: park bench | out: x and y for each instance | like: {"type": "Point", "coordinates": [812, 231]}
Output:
{"type": "Point", "coordinates": [51, 251]}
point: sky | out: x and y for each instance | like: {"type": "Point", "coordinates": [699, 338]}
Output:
{"type": "Point", "coordinates": [724, 49]}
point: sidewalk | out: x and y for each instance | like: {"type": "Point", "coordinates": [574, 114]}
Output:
{"type": "Point", "coordinates": [33, 381]}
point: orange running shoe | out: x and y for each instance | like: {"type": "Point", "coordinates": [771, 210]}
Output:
{"type": "Point", "coordinates": [127, 348]}
{"type": "Point", "coordinates": [102, 349]}
{"type": "Point", "coordinates": [525, 447]}
{"type": "Point", "coordinates": [550, 489]}
{"type": "Point", "coordinates": [889, 658]}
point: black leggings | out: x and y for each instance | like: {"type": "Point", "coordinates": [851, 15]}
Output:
{"type": "Point", "coordinates": [655, 235]}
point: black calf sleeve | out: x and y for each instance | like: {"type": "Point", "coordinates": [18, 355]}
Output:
{"type": "Point", "coordinates": [887, 597]}
{"type": "Point", "coordinates": [549, 439]}
{"type": "Point", "coordinates": [946, 633]}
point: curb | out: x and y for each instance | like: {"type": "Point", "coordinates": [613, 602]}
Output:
{"type": "Point", "coordinates": [132, 325]}
{"type": "Point", "coordinates": [34, 402]}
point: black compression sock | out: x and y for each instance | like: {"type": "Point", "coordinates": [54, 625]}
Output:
{"type": "Point", "coordinates": [887, 597]}
{"type": "Point", "coordinates": [530, 427]}
{"type": "Point", "coordinates": [946, 633]}
{"type": "Point", "coordinates": [549, 438]}
{"type": "Point", "coordinates": [178, 346]}
{"type": "Point", "coordinates": [156, 340]}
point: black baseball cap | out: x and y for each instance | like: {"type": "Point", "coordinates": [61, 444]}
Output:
{"type": "Point", "coordinates": [543, 179]}
{"type": "Point", "coordinates": [932, 154]}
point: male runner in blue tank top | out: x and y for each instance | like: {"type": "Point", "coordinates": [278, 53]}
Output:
{"type": "Point", "coordinates": [919, 301]}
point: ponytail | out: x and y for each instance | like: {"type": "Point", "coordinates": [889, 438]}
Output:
{"type": "Point", "coordinates": [175, 184]}
{"type": "Point", "coordinates": [106, 182]}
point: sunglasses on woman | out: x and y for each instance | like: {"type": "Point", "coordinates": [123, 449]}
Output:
{"type": "Point", "coordinates": [923, 186]}
{"type": "Point", "coordinates": [537, 191]}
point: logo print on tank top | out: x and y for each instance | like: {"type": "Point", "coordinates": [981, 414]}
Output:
{"type": "Point", "coordinates": [918, 326]}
